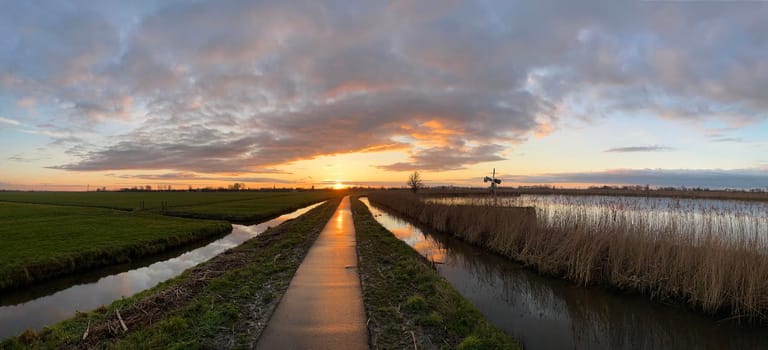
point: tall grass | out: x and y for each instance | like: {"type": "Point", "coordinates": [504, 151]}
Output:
{"type": "Point", "coordinates": [712, 259]}
{"type": "Point", "coordinates": [754, 195]}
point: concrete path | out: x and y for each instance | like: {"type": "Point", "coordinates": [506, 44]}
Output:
{"type": "Point", "coordinates": [323, 306]}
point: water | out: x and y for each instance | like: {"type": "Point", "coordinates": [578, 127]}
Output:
{"type": "Point", "coordinates": [46, 304]}
{"type": "Point", "coordinates": [548, 313]}
{"type": "Point", "coordinates": [696, 219]}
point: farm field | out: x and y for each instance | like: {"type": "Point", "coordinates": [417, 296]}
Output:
{"type": "Point", "coordinates": [250, 210]}
{"type": "Point", "coordinates": [43, 241]}
{"type": "Point", "coordinates": [153, 201]}
{"type": "Point", "coordinates": [48, 234]}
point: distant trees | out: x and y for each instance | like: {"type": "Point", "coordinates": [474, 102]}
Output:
{"type": "Point", "coordinates": [414, 182]}
{"type": "Point", "coordinates": [147, 188]}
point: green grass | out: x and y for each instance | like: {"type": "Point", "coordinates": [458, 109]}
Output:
{"type": "Point", "coordinates": [252, 210]}
{"type": "Point", "coordinates": [132, 200]}
{"type": "Point", "coordinates": [153, 200]}
{"type": "Point", "coordinates": [76, 231]}
{"type": "Point", "coordinates": [43, 241]}
{"type": "Point", "coordinates": [407, 300]}
{"type": "Point", "coordinates": [223, 303]}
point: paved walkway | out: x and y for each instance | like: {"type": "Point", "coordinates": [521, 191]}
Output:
{"type": "Point", "coordinates": [323, 306]}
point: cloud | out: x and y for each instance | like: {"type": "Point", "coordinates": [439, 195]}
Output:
{"type": "Point", "coordinates": [447, 158]}
{"type": "Point", "coordinates": [708, 178]}
{"type": "Point", "coordinates": [196, 149]}
{"type": "Point", "coordinates": [721, 135]}
{"type": "Point", "coordinates": [728, 139]}
{"type": "Point", "coordinates": [655, 148]}
{"type": "Point", "coordinates": [359, 123]}
{"type": "Point", "coordinates": [49, 133]}
{"type": "Point", "coordinates": [217, 87]}
{"type": "Point", "coordinates": [27, 102]}
{"type": "Point", "coordinates": [22, 158]}
{"type": "Point", "coordinates": [196, 177]}
{"type": "Point", "coordinates": [9, 121]}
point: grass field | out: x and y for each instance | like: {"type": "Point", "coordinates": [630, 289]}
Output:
{"type": "Point", "coordinates": [223, 303]}
{"type": "Point", "coordinates": [43, 241]}
{"type": "Point", "coordinates": [408, 304]}
{"type": "Point", "coordinates": [48, 234]}
{"type": "Point", "coordinates": [152, 201]}
{"type": "Point", "coordinates": [251, 210]}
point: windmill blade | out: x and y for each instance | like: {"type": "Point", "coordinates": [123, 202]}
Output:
{"type": "Point", "coordinates": [493, 180]}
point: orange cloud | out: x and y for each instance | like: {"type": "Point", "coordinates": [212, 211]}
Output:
{"type": "Point", "coordinates": [432, 133]}
{"type": "Point", "coordinates": [544, 129]}
{"type": "Point", "coordinates": [382, 148]}
{"type": "Point", "coordinates": [353, 87]}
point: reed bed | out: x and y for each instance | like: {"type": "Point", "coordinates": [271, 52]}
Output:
{"type": "Point", "coordinates": [711, 257]}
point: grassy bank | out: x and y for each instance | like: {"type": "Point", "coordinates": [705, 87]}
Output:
{"type": "Point", "coordinates": [41, 241]}
{"type": "Point", "coordinates": [618, 248]}
{"type": "Point", "coordinates": [408, 304]}
{"type": "Point", "coordinates": [223, 303]}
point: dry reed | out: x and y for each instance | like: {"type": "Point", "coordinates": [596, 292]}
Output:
{"type": "Point", "coordinates": [713, 259]}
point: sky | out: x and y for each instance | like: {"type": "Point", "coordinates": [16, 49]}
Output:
{"type": "Point", "coordinates": [313, 93]}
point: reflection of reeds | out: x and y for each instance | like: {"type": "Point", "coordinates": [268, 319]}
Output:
{"type": "Point", "coordinates": [518, 300]}
{"type": "Point", "coordinates": [715, 261]}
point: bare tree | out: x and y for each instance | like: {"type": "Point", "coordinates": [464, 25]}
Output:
{"type": "Point", "coordinates": [415, 182]}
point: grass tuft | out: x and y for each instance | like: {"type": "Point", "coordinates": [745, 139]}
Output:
{"type": "Point", "coordinates": [416, 304]}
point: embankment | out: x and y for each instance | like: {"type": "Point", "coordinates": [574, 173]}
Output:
{"type": "Point", "coordinates": [408, 304]}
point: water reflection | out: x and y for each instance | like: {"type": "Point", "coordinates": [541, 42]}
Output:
{"type": "Point", "coordinates": [695, 218]}
{"type": "Point", "coordinates": [548, 313]}
{"type": "Point", "coordinates": [18, 312]}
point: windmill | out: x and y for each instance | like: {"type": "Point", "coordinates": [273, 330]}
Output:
{"type": "Point", "coordinates": [494, 182]}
